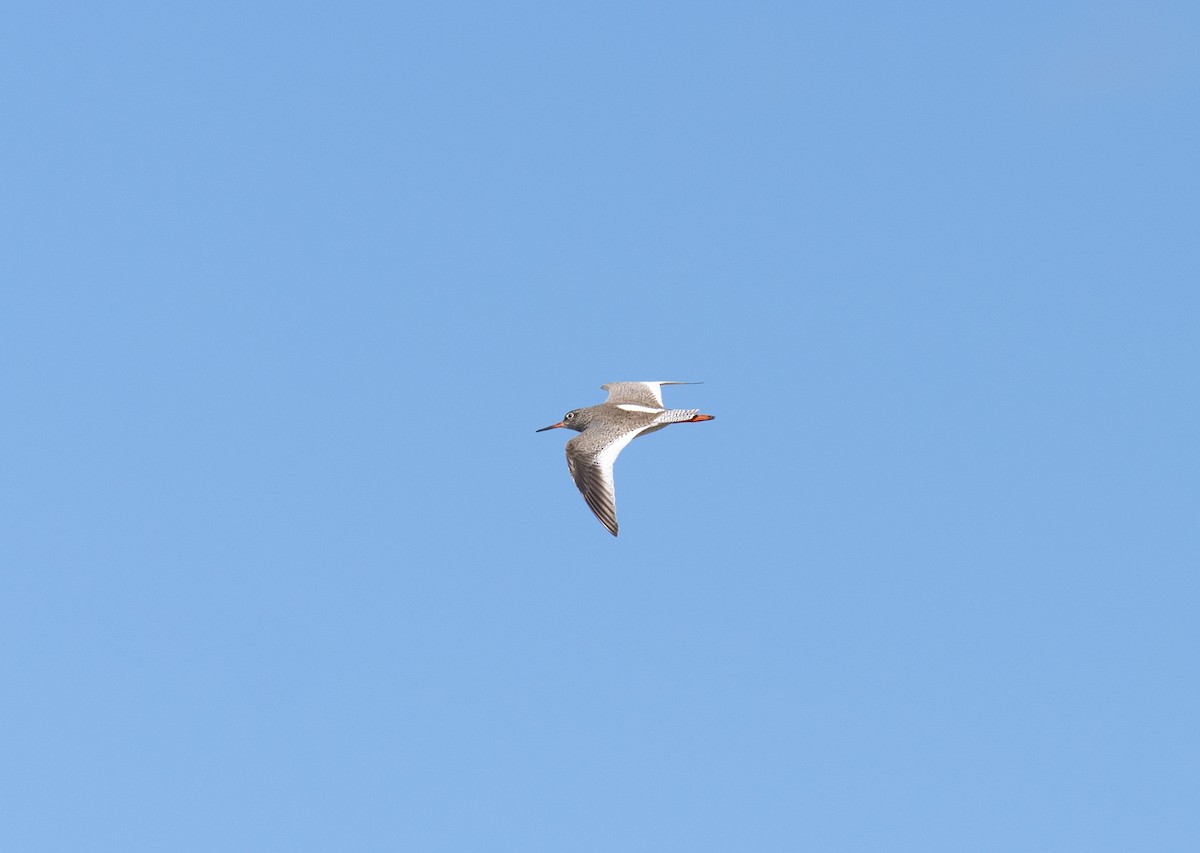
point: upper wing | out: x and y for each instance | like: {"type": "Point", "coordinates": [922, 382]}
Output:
{"type": "Point", "coordinates": [639, 393]}
{"type": "Point", "coordinates": [590, 462]}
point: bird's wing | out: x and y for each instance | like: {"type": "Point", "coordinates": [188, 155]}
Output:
{"type": "Point", "coordinates": [590, 460]}
{"type": "Point", "coordinates": [639, 393]}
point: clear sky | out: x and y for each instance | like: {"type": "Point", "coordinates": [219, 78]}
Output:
{"type": "Point", "coordinates": [287, 288]}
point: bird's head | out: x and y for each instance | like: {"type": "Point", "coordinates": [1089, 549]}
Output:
{"type": "Point", "coordinates": [576, 419]}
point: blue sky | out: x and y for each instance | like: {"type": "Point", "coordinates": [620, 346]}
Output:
{"type": "Point", "coordinates": [289, 287]}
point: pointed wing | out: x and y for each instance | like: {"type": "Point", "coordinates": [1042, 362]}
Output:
{"type": "Point", "coordinates": [590, 460]}
{"type": "Point", "coordinates": [639, 393]}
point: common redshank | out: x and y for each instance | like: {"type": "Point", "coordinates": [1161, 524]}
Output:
{"type": "Point", "coordinates": [632, 409]}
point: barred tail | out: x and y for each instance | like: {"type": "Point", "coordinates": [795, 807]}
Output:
{"type": "Point", "coordinates": [684, 416]}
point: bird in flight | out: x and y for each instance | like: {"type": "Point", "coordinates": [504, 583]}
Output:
{"type": "Point", "coordinates": [632, 409]}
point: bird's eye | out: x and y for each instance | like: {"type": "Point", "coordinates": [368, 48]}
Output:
{"type": "Point", "coordinates": [569, 416]}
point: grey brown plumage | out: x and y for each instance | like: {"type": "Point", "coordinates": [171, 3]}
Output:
{"type": "Point", "coordinates": [632, 409]}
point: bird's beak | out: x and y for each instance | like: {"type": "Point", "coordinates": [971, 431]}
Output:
{"type": "Point", "coordinates": [552, 426]}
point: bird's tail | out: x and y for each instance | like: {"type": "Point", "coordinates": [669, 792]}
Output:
{"type": "Point", "coordinates": [684, 416]}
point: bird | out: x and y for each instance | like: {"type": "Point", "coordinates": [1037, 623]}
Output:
{"type": "Point", "coordinates": [632, 409]}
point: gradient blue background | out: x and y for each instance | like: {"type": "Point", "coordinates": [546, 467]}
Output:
{"type": "Point", "coordinates": [288, 287]}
